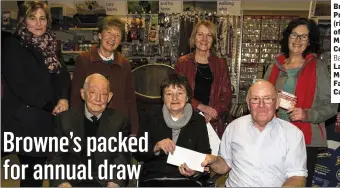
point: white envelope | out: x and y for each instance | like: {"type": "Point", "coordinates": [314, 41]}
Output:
{"type": "Point", "coordinates": [214, 140]}
{"type": "Point", "coordinates": [192, 158]}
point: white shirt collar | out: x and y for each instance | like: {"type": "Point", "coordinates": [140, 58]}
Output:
{"type": "Point", "coordinates": [270, 124]}
{"type": "Point", "coordinates": [88, 114]}
{"type": "Point", "coordinates": [107, 58]}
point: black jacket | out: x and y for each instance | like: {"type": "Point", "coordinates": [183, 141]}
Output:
{"type": "Point", "coordinates": [112, 122]}
{"type": "Point", "coordinates": [30, 92]}
{"type": "Point", "coordinates": [193, 136]}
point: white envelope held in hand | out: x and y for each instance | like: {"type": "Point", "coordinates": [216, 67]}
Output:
{"type": "Point", "coordinates": [214, 140]}
{"type": "Point", "coordinates": [192, 158]}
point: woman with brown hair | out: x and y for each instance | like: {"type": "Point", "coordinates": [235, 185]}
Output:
{"type": "Point", "coordinates": [298, 72]}
{"type": "Point", "coordinates": [36, 84]}
{"type": "Point", "coordinates": [208, 76]}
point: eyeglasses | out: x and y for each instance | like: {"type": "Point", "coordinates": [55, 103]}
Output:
{"type": "Point", "coordinates": [257, 100]}
{"type": "Point", "coordinates": [302, 37]}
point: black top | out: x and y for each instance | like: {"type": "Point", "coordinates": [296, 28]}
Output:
{"type": "Point", "coordinates": [203, 82]}
{"type": "Point", "coordinates": [91, 127]}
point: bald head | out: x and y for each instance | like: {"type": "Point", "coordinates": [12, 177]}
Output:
{"type": "Point", "coordinates": [262, 103]}
{"type": "Point", "coordinates": [262, 85]}
{"type": "Point", "coordinates": [96, 78]}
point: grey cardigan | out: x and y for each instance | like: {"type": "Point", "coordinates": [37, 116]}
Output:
{"type": "Point", "coordinates": [322, 108]}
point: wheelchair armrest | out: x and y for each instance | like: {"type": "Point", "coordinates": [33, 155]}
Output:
{"type": "Point", "coordinates": [206, 179]}
{"type": "Point", "coordinates": [211, 182]}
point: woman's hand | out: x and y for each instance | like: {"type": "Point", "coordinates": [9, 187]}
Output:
{"type": "Point", "coordinates": [167, 145]}
{"type": "Point", "coordinates": [208, 110]}
{"type": "Point", "coordinates": [185, 170]}
{"type": "Point", "coordinates": [60, 107]}
{"type": "Point", "coordinates": [297, 114]}
{"type": "Point", "coordinates": [207, 117]}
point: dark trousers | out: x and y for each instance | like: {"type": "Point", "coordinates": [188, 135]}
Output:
{"type": "Point", "coordinates": [312, 154]}
{"type": "Point", "coordinates": [31, 161]}
{"type": "Point", "coordinates": [168, 183]}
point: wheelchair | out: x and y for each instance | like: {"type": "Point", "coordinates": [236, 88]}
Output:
{"type": "Point", "coordinates": [204, 180]}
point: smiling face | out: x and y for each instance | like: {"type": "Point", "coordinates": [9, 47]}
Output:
{"type": "Point", "coordinates": [96, 94]}
{"type": "Point", "coordinates": [298, 40]}
{"type": "Point", "coordinates": [175, 98]}
{"type": "Point", "coordinates": [203, 38]}
{"type": "Point", "coordinates": [37, 22]}
{"type": "Point", "coordinates": [110, 39]}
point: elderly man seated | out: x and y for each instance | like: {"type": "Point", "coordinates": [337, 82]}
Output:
{"type": "Point", "coordinates": [260, 150]}
{"type": "Point", "coordinates": [95, 120]}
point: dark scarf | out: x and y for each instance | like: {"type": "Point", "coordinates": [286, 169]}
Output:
{"type": "Point", "coordinates": [46, 43]}
{"type": "Point", "coordinates": [305, 90]}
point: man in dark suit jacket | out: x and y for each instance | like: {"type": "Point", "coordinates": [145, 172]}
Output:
{"type": "Point", "coordinates": [94, 121]}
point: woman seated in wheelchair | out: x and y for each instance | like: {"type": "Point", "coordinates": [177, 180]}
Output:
{"type": "Point", "coordinates": [176, 124]}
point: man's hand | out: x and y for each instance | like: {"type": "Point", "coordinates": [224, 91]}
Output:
{"type": "Point", "coordinates": [297, 114]}
{"type": "Point", "coordinates": [208, 110]}
{"type": "Point", "coordinates": [216, 164]}
{"type": "Point", "coordinates": [295, 181]}
{"type": "Point", "coordinates": [209, 159]}
{"type": "Point", "coordinates": [65, 185]}
{"type": "Point", "coordinates": [185, 170]}
{"type": "Point", "coordinates": [60, 107]}
{"type": "Point", "coordinates": [112, 185]}
{"type": "Point", "coordinates": [167, 145]}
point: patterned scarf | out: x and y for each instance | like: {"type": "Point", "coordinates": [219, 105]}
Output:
{"type": "Point", "coordinates": [46, 42]}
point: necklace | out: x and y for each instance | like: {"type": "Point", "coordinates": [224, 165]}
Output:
{"type": "Point", "coordinates": [199, 66]}
{"type": "Point", "coordinates": [202, 65]}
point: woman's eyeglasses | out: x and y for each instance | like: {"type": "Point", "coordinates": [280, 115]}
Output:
{"type": "Point", "coordinates": [302, 37]}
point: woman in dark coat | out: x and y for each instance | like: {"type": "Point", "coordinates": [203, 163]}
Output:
{"type": "Point", "coordinates": [36, 84]}
{"type": "Point", "coordinates": [176, 124]}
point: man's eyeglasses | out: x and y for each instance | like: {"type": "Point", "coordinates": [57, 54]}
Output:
{"type": "Point", "coordinates": [257, 100]}
{"type": "Point", "coordinates": [302, 37]}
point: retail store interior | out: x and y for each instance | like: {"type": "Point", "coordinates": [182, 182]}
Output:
{"type": "Point", "coordinates": [248, 38]}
